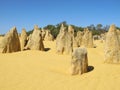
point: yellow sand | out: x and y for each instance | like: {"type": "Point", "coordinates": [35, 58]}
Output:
{"type": "Point", "coordinates": [37, 70]}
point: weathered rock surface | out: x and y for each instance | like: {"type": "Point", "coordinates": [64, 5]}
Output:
{"type": "Point", "coordinates": [87, 39]}
{"type": "Point", "coordinates": [79, 62]}
{"type": "Point", "coordinates": [11, 42]}
{"type": "Point", "coordinates": [112, 46]}
{"type": "Point", "coordinates": [48, 36]}
{"type": "Point", "coordinates": [64, 42]}
{"type": "Point", "coordinates": [35, 40]}
{"type": "Point", "coordinates": [23, 39]}
{"type": "Point", "coordinates": [78, 39]}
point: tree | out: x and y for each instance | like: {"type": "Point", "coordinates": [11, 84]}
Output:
{"type": "Point", "coordinates": [106, 28]}
{"type": "Point", "coordinates": [96, 32]}
{"type": "Point", "coordinates": [54, 31]}
{"type": "Point", "coordinates": [118, 28]}
{"type": "Point", "coordinates": [29, 32]}
{"type": "Point", "coordinates": [99, 26]}
{"type": "Point", "coordinates": [98, 29]}
{"type": "Point", "coordinates": [92, 27]}
{"type": "Point", "coordinates": [76, 29]}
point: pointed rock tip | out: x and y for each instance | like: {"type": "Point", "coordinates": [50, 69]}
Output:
{"type": "Point", "coordinates": [36, 27]}
{"type": "Point", "coordinates": [112, 28]}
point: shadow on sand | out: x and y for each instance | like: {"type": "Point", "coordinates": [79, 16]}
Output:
{"type": "Point", "coordinates": [90, 68]}
{"type": "Point", "coordinates": [46, 49]}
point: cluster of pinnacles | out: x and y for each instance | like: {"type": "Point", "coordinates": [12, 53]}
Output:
{"type": "Point", "coordinates": [65, 42]}
{"type": "Point", "coordinates": [12, 43]}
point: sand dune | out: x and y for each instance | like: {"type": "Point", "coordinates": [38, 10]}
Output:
{"type": "Point", "coordinates": [38, 70]}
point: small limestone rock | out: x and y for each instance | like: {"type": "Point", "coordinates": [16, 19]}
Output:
{"type": "Point", "coordinates": [79, 62]}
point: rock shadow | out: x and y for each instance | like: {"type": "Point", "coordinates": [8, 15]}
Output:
{"type": "Point", "coordinates": [46, 49]}
{"type": "Point", "coordinates": [90, 68]}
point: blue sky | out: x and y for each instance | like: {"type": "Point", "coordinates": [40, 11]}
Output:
{"type": "Point", "coordinates": [27, 13]}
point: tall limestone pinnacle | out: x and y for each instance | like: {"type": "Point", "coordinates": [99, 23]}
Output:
{"type": "Point", "coordinates": [112, 46]}
{"type": "Point", "coordinates": [11, 42]}
{"type": "Point", "coordinates": [87, 39]}
{"type": "Point", "coordinates": [36, 27]}
{"type": "Point", "coordinates": [23, 38]}
{"type": "Point", "coordinates": [35, 41]}
{"type": "Point", "coordinates": [48, 36]}
{"type": "Point", "coordinates": [64, 41]}
{"type": "Point", "coordinates": [70, 29]}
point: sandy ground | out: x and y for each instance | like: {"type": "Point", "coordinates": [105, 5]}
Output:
{"type": "Point", "coordinates": [37, 70]}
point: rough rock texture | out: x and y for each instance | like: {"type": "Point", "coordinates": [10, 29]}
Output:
{"type": "Point", "coordinates": [1, 46]}
{"type": "Point", "coordinates": [43, 33]}
{"type": "Point", "coordinates": [35, 40]}
{"type": "Point", "coordinates": [64, 42]}
{"type": "Point", "coordinates": [48, 36]}
{"type": "Point", "coordinates": [11, 42]}
{"type": "Point", "coordinates": [96, 37]}
{"type": "Point", "coordinates": [87, 39]}
{"type": "Point", "coordinates": [112, 46]}
{"type": "Point", "coordinates": [78, 39]}
{"type": "Point", "coordinates": [103, 37]}
{"type": "Point", "coordinates": [90, 43]}
{"type": "Point", "coordinates": [79, 62]}
{"type": "Point", "coordinates": [71, 30]}
{"type": "Point", "coordinates": [23, 39]}
{"type": "Point", "coordinates": [118, 33]}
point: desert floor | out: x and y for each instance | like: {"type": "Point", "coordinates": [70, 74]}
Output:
{"type": "Point", "coordinates": [38, 70]}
